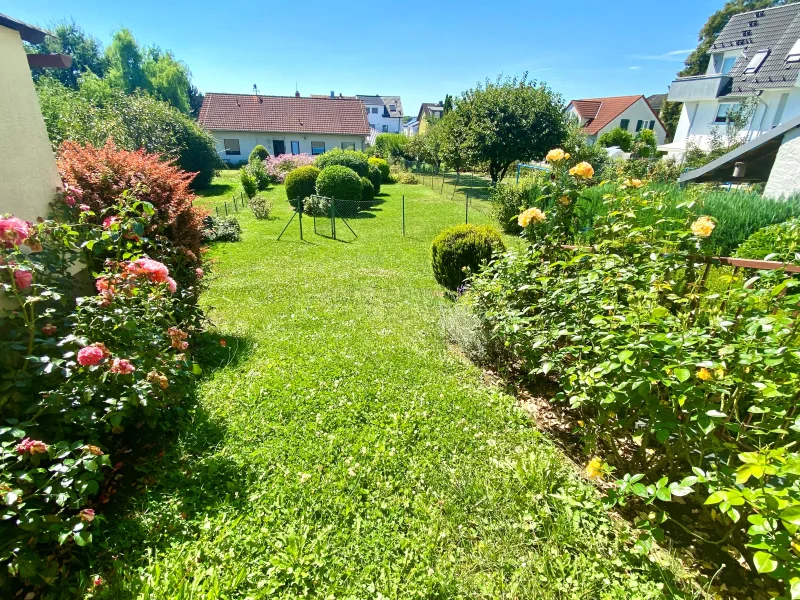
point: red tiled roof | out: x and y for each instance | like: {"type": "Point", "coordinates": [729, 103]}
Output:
{"type": "Point", "coordinates": [601, 111]}
{"type": "Point", "coordinates": [289, 114]}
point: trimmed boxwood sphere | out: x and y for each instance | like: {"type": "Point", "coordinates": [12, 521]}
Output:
{"type": "Point", "coordinates": [346, 158]}
{"type": "Point", "coordinates": [463, 246]}
{"type": "Point", "coordinates": [367, 190]}
{"type": "Point", "coordinates": [301, 183]}
{"type": "Point", "coordinates": [382, 166]}
{"type": "Point", "coordinates": [258, 153]}
{"type": "Point", "coordinates": [339, 183]}
{"type": "Point", "coordinates": [375, 177]}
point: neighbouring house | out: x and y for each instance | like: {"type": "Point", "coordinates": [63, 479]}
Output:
{"type": "Point", "coordinates": [384, 113]}
{"type": "Point", "coordinates": [428, 112]}
{"type": "Point", "coordinates": [282, 124]}
{"type": "Point", "coordinates": [29, 178]}
{"type": "Point", "coordinates": [756, 60]}
{"type": "Point", "coordinates": [411, 128]}
{"type": "Point", "coordinates": [631, 113]}
{"type": "Point", "coordinates": [773, 157]}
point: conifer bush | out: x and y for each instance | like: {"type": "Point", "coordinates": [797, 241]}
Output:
{"type": "Point", "coordinates": [259, 154]}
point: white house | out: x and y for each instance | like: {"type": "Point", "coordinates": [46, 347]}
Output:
{"type": "Point", "coordinates": [384, 113]}
{"type": "Point", "coordinates": [631, 113]}
{"type": "Point", "coordinates": [756, 58]}
{"type": "Point", "coordinates": [282, 124]}
{"type": "Point", "coordinates": [411, 128]}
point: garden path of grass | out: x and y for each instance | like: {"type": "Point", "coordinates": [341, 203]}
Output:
{"type": "Point", "coordinates": [339, 449]}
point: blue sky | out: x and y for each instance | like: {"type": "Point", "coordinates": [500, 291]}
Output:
{"type": "Point", "coordinates": [417, 50]}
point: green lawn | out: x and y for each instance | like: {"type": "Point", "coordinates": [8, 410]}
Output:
{"type": "Point", "coordinates": [339, 449]}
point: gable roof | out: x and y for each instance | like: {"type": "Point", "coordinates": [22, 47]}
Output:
{"type": "Point", "coordinates": [775, 29]}
{"type": "Point", "coordinates": [656, 101]}
{"type": "Point", "coordinates": [599, 112]}
{"type": "Point", "coordinates": [28, 33]}
{"type": "Point", "coordinates": [386, 102]}
{"type": "Point", "coordinates": [287, 114]}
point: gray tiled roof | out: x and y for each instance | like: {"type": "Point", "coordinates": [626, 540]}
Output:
{"type": "Point", "coordinates": [774, 29]}
{"type": "Point", "coordinates": [385, 102]}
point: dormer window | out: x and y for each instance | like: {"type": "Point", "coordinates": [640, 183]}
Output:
{"type": "Point", "coordinates": [755, 63]}
{"type": "Point", "coordinates": [794, 53]}
{"type": "Point", "coordinates": [392, 107]}
{"type": "Point", "coordinates": [727, 64]}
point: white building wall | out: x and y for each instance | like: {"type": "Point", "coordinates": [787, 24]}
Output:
{"type": "Point", "coordinates": [28, 175]}
{"type": "Point", "coordinates": [783, 180]}
{"type": "Point", "coordinates": [377, 120]}
{"type": "Point", "coordinates": [638, 111]}
{"type": "Point", "coordinates": [249, 140]}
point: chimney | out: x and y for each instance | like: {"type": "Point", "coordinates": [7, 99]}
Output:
{"type": "Point", "coordinates": [332, 94]}
{"type": "Point", "coordinates": [297, 94]}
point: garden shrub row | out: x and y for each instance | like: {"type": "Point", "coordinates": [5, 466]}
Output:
{"type": "Point", "coordinates": [80, 371]}
{"type": "Point", "coordinates": [684, 393]}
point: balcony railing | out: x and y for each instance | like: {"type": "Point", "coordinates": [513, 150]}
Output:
{"type": "Point", "coordinates": [703, 87]}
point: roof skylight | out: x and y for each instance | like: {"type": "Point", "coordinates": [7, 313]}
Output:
{"type": "Point", "coordinates": [755, 63]}
{"type": "Point", "coordinates": [794, 53]}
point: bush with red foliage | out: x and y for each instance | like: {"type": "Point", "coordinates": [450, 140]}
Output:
{"type": "Point", "coordinates": [97, 177]}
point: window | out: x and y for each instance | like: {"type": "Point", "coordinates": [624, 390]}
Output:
{"type": "Point", "coordinates": [385, 128]}
{"type": "Point", "coordinates": [295, 147]}
{"type": "Point", "coordinates": [624, 124]}
{"type": "Point", "coordinates": [723, 112]}
{"type": "Point", "coordinates": [794, 53]}
{"type": "Point", "coordinates": [755, 63]}
{"type": "Point", "coordinates": [348, 145]}
{"type": "Point", "coordinates": [317, 148]}
{"type": "Point", "coordinates": [232, 147]}
{"type": "Point", "coordinates": [652, 126]}
{"type": "Point", "coordinates": [727, 64]}
{"type": "Point", "coordinates": [392, 107]}
{"type": "Point", "coordinates": [639, 125]}
{"type": "Point", "coordinates": [374, 110]}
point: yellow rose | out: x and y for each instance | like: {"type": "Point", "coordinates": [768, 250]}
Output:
{"type": "Point", "coordinates": [93, 450]}
{"type": "Point", "coordinates": [634, 183]}
{"type": "Point", "coordinates": [704, 374]}
{"type": "Point", "coordinates": [703, 227]}
{"type": "Point", "coordinates": [556, 155]}
{"type": "Point", "coordinates": [532, 215]}
{"type": "Point", "coordinates": [567, 156]}
{"type": "Point", "coordinates": [594, 470]}
{"type": "Point", "coordinates": [564, 200]}
{"type": "Point", "coordinates": [583, 170]}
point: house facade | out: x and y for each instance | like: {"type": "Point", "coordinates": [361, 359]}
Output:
{"type": "Point", "coordinates": [29, 177]}
{"type": "Point", "coordinates": [631, 113]}
{"type": "Point", "coordinates": [428, 111]}
{"type": "Point", "coordinates": [384, 113]}
{"type": "Point", "coordinates": [411, 128]}
{"type": "Point", "coordinates": [282, 124]}
{"type": "Point", "coordinates": [754, 66]}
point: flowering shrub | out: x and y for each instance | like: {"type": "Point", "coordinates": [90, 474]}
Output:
{"type": "Point", "coordinates": [96, 177]}
{"type": "Point", "coordinates": [75, 372]}
{"type": "Point", "coordinates": [280, 166]}
{"type": "Point", "coordinates": [689, 389]}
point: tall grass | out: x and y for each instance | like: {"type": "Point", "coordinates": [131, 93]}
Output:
{"type": "Point", "coordinates": [738, 213]}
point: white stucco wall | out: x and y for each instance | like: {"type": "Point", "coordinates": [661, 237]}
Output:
{"type": "Point", "coordinates": [783, 180]}
{"type": "Point", "coordinates": [697, 118]}
{"type": "Point", "coordinates": [377, 121]}
{"type": "Point", "coordinates": [28, 174]}
{"type": "Point", "coordinates": [249, 140]}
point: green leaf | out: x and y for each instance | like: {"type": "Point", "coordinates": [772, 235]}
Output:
{"type": "Point", "coordinates": [765, 562]}
{"type": "Point", "coordinates": [82, 538]}
{"type": "Point", "coordinates": [664, 494]}
{"type": "Point", "coordinates": [791, 515]}
{"type": "Point", "coordinates": [682, 374]}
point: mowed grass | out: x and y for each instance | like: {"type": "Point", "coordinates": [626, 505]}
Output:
{"type": "Point", "coordinates": [339, 449]}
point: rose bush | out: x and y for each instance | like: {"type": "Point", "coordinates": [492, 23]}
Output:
{"type": "Point", "coordinates": [76, 371]}
{"type": "Point", "coordinates": [687, 389]}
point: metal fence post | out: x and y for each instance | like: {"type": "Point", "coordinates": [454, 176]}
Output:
{"type": "Point", "coordinates": [441, 191]}
{"type": "Point", "coordinates": [466, 208]}
{"type": "Point", "coordinates": [404, 215]}
{"type": "Point", "coordinates": [301, 220]}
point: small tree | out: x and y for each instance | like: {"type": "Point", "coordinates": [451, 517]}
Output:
{"type": "Point", "coordinates": [509, 120]}
{"type": "Point", "coordinates": [453, 150]}
{"type": "Point", "coordinates": [249, 183]}
{"type": "Point", "coordinates": [258, 153]}
{"type": "Point", "coordinates": [390, 145]}
{"type": "Point", "coordinates": [617, 137]}
{"type": "Point", "coordinates": [645, 144]}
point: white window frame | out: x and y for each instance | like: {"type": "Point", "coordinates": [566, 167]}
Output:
{"type": "Point", "coordinates": [732, 106]}
{"type": "Point", "coordinates": [293, 145]}
{"type": "Point", "coordinates": [348, 145]}
{"type": "Point", "coordinates": [317, 148]}
{"type": "Point", "coordinates": [756, 62]}
{"type": "Point", "coordinates": [229, 151]}
{"type": "Point", "coordinates": [725, 61]}
{"type": "Point", "coordinates": [384, 129]}
{"type": "Point", "coordinates": [374, 110]}
{"type": "Point", "coordinates": [794, 53]}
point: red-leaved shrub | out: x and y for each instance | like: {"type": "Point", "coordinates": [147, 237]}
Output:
{"type": "Point", "coordinates": [97, 177]}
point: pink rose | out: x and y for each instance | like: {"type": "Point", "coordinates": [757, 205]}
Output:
{"type": "Point", "coordinates": [199, 273]}
{"type": "Point", "coordinates": [122, 366]}
{"type": "Point", "coordinates": [23, 278]}
{"type": "Point", "coordinates": [97, 581]}
{"type": "Point", "coordinates": [87, 514]}
{"type": "Point", "coordinates": [109, 222]}
{"type": "Point", "coordinates": [155, 271]}
{"type": "Point", "coordinates": [14, 231]}
{"type": "Point", "coordinates": [172, 286]}
{"type": "Point", "coordinates": [31, 446]}
{"type": "Point", "coordinates": [85, 208]}
{"type": "Point", "coordinates": [91, 355]}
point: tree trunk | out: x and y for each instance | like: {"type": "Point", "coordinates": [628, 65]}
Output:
{"type": "Point", "coordinates": [493, 172]}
